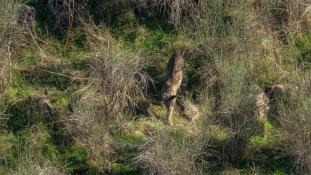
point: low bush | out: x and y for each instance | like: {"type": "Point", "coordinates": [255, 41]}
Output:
{"type": "Point", "coordinates": [85, 125]}
{"type": "Point", "coordinates": [236, 113]}
{"type": "Point", "coordinates": [115, 81]}
{"type": "Point", "coordinates": [177, 9]}
{"type": "Point", "coordinates": [119, 79]}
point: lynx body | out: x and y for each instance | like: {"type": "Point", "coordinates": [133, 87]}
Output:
{"type": "Point", "coordinates": [172, 83]}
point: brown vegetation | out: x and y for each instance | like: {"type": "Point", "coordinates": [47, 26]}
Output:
{"type": "Point", "coordinates": [173, 152]}
{"type": "Point", "coordinates": [295, 122]}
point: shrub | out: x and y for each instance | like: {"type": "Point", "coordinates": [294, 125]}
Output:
{"type": "Point", "coordinates": [230, 40]}
{"type": "Point", "coordinates": [115, 82]}
{"type": "Point", "coordinates": [68, 11]}
{"type": "Point", "coordinates": [119, 79]}
{"type": "Point", "coordinates": [86, 125]}
{"type": "Point", "coordinates": [237, 110]}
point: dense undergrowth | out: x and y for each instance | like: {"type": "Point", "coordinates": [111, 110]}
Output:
{"type": "Point", "coordinates": [80, 88]}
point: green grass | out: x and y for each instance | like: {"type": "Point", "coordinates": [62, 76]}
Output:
{"type": "Point", "coordinates": [239, 57]}
{"type": "Point", "coordinates": [119, 169]}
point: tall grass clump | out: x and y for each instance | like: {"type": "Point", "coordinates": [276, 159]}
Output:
{"type": "Point", "coordinates": [295, 122]}
{"type": "Point", "coordinates": [114, 82]}
{"type": "Point", "coordinates": [283, 16]}
{"type": "Point", "coordinates": [115, 75]}
{"type": "Point", "coordinates": [87, 127]}
{"type": "Point", "coordinates": [236, 110]}
{"type": "Point", "coordinates": [7, 21]}
{"type": "Point", "coordinates": [241, 44]}
{"type": "Point", "coordinates": [13, 38]}
{"type": "Point", "coordinates": [176, 10]}
{"type": "Point", "coordinates": [108, 12]}
{"type": "Point", "coordinates": [120, 80]}
{"type": "Point", "coordinates": [5, 71]}
{"type": "Point", "coordinates": [36, 164]}
{"type": "Point", "coordinates": [238, 52]}
{"type": "Point", "coordinates": [174, 151]}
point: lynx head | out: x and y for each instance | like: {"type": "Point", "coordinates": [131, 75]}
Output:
{"type": "Point", "coordinates": [26, 15]}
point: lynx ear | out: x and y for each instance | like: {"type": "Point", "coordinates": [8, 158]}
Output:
{"type": "Point", "coordinates": [33, 10]}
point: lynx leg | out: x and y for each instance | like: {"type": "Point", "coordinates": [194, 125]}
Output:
{"type": "Point", "coordinates": [170, 110]}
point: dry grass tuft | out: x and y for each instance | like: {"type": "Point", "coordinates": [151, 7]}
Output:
{"type": "Point", "coordinates": [120, 80]}
{"type": "Point", "coordinates": [5, 68]}
{"type": "Point", "coordinates": [231, 47]}
{"type": "Point", "coordinates": [115, 81]}
{"type": "Point", "coordinates": [68, 11]}
{"type": "Point", "coordinates": [177, 9]}
{"type": "Point", "coordinates": [235, 108]}
{"type": "Point", "coordinates": [174, 10]}
{"type": "Point", "coordinates": [8, 11]}
{"type": "Point", "coordinates": [173, 151]}
{"type": "Point", "coordinates": [37, 165]}
{"type": "Point", "coordinates": [12, 38]}
{"type": "Point", "coordinates": [85, 125]}
{"type": "Point", "coordinates": [97, 39]}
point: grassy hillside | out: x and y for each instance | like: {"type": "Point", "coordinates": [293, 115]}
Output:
{"type": "Point", "coordinates": [80, 87]}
